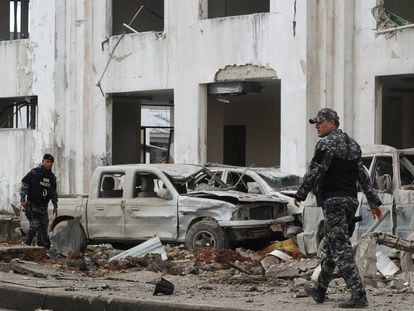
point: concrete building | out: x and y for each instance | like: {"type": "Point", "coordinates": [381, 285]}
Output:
{"type": "Point", "coordinates": [241, 79]}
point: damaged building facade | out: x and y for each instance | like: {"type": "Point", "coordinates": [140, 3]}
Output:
{"type": "Point", "coordinates": [227, 81]}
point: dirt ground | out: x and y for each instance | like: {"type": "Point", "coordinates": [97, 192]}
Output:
{"type": "Point", "coordinates": [200, 278]}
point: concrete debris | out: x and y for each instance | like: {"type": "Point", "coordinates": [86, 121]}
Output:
{"type": "Point", "coordinates": [366, 259]}
{"type": "Point", "coordinates": [152, 245]}
{"type": "Point", "coordinates": [396, 284]}
{"type": "Point", "coordinates": [22, 251]}
{"type": "Point", "coordinates": [385, 265]}
{"type": "Point", "coordinates": [8, 225]}
{"type": "Point", "coordinates": [284, 270]}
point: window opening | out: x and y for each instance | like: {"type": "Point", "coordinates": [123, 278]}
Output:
{"type": "Point", "coordinates": [148, 185]}
{"type": "Point", "coordinates": [240, 183]}
{"type": "Point", "coordinates": [407, 171]}
{"type": "Point", "coordinates": [157, 134]}
{"type": "Point", "coordinates": [394, 15]}
{"type": "Point", "coordinates": [19, 112]}
{"type": "Point", "coordinates": [112, 185]}
{"type": "Point", "coordinates": [151, 17]}
{"type": "Point", "coordinates": [14, 23]}
{"type": "Point", "coordinates": [383, 173]}
{"type": "Point", "coordinates": [367, 162]}
{"type": "Point", "coordinates": [224, 8]}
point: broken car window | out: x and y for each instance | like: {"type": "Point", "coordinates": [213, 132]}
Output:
{"type": "Point", "coordinates": [407, 171]}
{"type": "Point", "coordinates": [239, 181]}
{"type": "Point", "coordinates": [147, 185]}
{"type": "Point", "coordinates": [289, 182]}
{"type": "Point", "coordinates": [383, 173]}
{"type": "Point", "coordinates": [111, 185]}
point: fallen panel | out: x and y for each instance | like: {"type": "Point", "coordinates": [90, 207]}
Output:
{"type": "Point", "coordinates": [152, 246]}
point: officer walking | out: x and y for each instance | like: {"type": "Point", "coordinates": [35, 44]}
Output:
{"type": "Point", "coordinates": [38, 188]}
{"type": "Point", "coordinates": [332, 175]}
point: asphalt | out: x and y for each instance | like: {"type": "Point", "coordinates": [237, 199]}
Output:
{"type": "Point", "coordinates": [19, 297]}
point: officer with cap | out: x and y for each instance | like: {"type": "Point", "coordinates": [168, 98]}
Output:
{"type": "Point", "coordinates": [38, 188]}
{"type": "Point", "coordinates": [333, 173]}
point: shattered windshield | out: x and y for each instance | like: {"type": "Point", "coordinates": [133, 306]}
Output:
{"type": "Point", "coordinates": [407, 170]}
{"type": "Point", "coordinates": [280, 181]}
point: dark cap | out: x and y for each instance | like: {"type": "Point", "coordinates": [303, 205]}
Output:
{"type": "Point", "coordinates": [48, 156]}
{"type": "Point", "coordinates": [324, 114]}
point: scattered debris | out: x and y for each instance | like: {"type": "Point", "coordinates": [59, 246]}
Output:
{"type": "Point", "coordinates": [152, 245]}
{"type": "Point", "coordinates": [22, 251]}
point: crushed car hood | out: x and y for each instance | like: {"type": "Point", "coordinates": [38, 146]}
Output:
{"type": "Point", "coordinates": [234, 195]}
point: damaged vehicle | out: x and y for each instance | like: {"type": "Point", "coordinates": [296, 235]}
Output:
{"type": "Point", "coordinates": [269, 181]}
{"type": "Point", "coordinates": [392, 174]}
{"type": "Point", "coordinates": [131, 203]}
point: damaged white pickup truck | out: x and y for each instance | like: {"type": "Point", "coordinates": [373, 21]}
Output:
{"type": "Point", "coordinates": [131, 203]}
{"type": "Point", "coordinates": [392, 174]}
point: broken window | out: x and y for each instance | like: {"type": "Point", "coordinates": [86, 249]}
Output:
{"type": "Point", "coordinates": [383, 174]}
{"type": "Point", "coordinates": [18, 112]}
{"type": "Point", "coordinates": [239, 181]}
{"type": "Point", "coordinates": [111, 185]}
{"type": "Point", "coordinates": [148, 185]}
{"type": "Point", "coordinates": [150, 18]}
{"type": "Point", "coordinates": [394, 13]}
{"type": "Point", "coordinates": [407, 171]}
{"type": "Point", "coordinates": [14, 20]}
{"type": "Point", "coordinates": [223, 8]}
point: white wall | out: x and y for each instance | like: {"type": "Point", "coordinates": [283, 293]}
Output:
{"type": "Point", "coordinates": [375, 56]}
{"type": "Point", "coordinates": [325, 53]}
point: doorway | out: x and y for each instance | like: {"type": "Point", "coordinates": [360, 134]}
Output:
{"type": "Point", "coordinates": [395, 110]}
{"type": "Point", "coordinates": [243, 123]}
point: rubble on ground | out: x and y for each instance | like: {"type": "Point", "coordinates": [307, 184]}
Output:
{"type": "Point", "coordinates": [265, 267]}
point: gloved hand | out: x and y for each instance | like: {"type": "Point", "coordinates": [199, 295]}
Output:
{"type": "Point", "coordinates": [376, 212]}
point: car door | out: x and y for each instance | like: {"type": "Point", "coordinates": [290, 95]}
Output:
{"type": "Point", "coordinates": [105, 211]}
{"type": "Point", "coordinates": [152, 208]}
{"type": "Point", "coordinates": [404, 195]}
{"type": "Point", "coordinates": [382, 176]}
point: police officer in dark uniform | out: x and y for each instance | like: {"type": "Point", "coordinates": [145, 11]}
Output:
{"type": "Point", "coordinates": [38, 188]}
{"type": "Point", "coordinates": [333, 174]}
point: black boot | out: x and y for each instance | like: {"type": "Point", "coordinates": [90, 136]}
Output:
{"type": "Point", "coordinates": [354, 302]}
{"type": "Point", "coordinates": [314, 291]}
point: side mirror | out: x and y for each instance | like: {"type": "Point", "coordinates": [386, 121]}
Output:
{"type": "Point", "coordinates": [164, 194]}
{"type": "Point", "coordinates": [253, 187]}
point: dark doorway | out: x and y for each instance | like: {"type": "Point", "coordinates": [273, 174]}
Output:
{"type": "Point", "coordinates": [234, 145]}
{"type": "Point", "coordinates": [397, 111]}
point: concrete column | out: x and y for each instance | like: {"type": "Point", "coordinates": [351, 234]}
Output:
{"type": "Point", "coordinates": [190, 137]}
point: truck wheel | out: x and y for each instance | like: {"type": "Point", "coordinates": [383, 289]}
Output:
{"type": "Point", "coordinates": [82, 238]}
{"type": "Point", "coordinates": [406, 258]}
{"type": "Point", "coordinates": [206, 233]}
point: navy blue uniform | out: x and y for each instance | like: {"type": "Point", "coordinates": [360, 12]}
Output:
{"type": "Point", "coordinates": [38, 188]}
{"type": "Point", "coordinates": [332, 175]}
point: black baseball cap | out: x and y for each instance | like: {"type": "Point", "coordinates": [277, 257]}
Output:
{"type": "Point", "coordinates": [324, 114]}
{"type": "Point", "coordinates": [48, 156]}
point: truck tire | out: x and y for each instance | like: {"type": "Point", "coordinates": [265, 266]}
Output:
{"type": "Point", "coordinates": [206, 233]}
{"type": "Point", "coordinates": [406, 258]}
{"type": "Point", "coordinates": [63, 223]}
